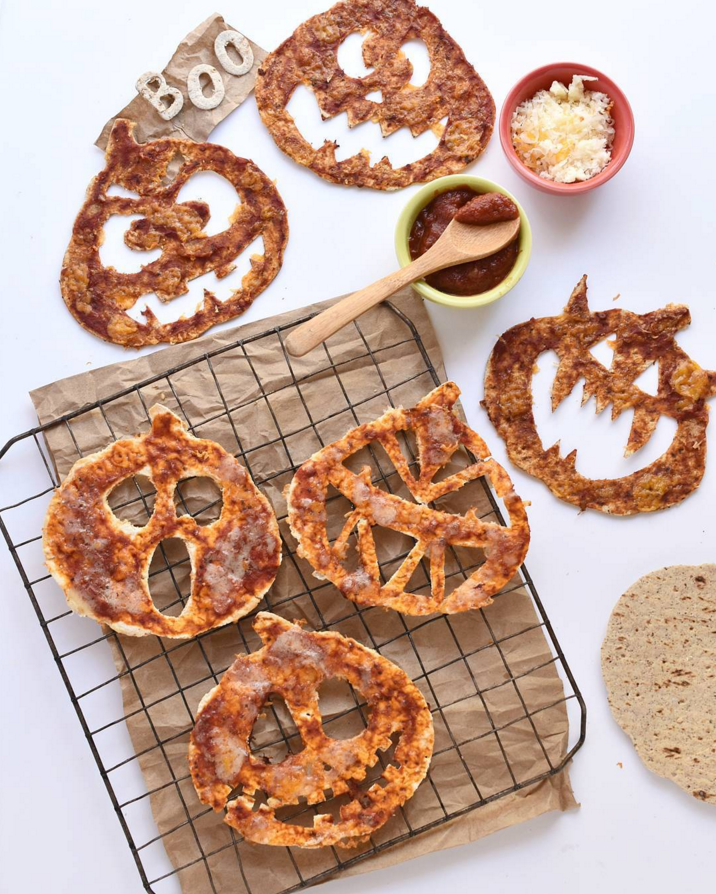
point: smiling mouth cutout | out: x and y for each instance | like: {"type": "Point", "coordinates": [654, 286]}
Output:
{"type": "Point", "coordinates": [639, 341]}
{"type": "Point", "coordinates": [452, 91]}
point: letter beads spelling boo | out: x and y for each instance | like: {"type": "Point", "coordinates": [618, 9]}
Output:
{"type": "Point", "coordinates": [154, 88]}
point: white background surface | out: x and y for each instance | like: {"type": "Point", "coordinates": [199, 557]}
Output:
{"type": "Point", "coordinates": [648, 235]}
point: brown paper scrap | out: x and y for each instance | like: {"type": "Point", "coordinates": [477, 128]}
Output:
{"type": "Point", "coordinates": [191, 123]}
{"type": "Point", "coordinates": [261, 392]}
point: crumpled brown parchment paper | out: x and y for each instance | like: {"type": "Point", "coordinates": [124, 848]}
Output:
{"type": "Point", "coordinates": [191, 123]}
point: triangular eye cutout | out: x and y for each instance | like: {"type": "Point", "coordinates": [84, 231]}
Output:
{"type": "Point", "coordinates": [648, 381]}
{"type": "Point", "coordinates": [603, 351]}
{"type": "Point", "coordinates": [343, 710]}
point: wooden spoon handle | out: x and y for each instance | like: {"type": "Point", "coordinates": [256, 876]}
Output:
{"type": "Point", "coordinates": [319, 328]}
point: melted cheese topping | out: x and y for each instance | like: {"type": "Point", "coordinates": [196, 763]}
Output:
{"type": "Point", "coordinates": [564, 134]}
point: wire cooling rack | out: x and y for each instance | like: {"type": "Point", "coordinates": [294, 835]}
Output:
{"type": "Point", "coordinates": [133, 698]}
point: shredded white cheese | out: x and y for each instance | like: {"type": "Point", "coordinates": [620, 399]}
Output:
{"type": "Point", "coordinates": [564, 134]}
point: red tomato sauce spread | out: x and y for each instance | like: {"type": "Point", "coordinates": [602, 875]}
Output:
{"type": "Point", "coordinates": [470, 207]}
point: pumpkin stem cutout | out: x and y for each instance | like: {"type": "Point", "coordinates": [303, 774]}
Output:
{"type": "Point", "coordinates": [102, 562]}
{"type": "Point", "coordinates": [291, 665]}
{"type": "Point", "coordinates": [639, 341]}
{"type": "Point", "coordinates": [439, 434]}
{"type": "Point", "coordinates": [98, 297]}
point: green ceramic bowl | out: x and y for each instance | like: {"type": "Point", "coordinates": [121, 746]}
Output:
{"type": "Point", "coordinates": [420, 200]}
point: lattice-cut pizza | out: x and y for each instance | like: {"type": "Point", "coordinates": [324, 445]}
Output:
{"type": "Point", "coordinates": [452, 91]}
{"type": "Point", "coordinates": [292, 665]}
{"type": "Point", "coordinates": [439, 434]}
{"type": "Point", "coordinates": [102, 562]}
{"type": "Point", "coordinates": [638, 342]}
{"type": "Point", "coordinates": [100, 297]}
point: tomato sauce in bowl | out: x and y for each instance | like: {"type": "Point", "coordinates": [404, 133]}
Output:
{"type": "Point", "coordinates": [473, 277]}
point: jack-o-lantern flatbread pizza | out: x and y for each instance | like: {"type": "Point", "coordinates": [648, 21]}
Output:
{"type": "Point", "coordinates": [292, 664]}
{"type": "Point", "coordinates": [453, 90]}
{"type": "Point", "coordinates": [639, 341]}
{"type": "Point", "coordinates": [439, 434]}
{"type": "Point", "coordinates": [99, 297]}
{"type": "Point", "coordinates": [102, 562]}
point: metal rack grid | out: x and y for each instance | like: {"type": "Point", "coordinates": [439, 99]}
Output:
{"type": "Point", "coordinates": [78, 640]}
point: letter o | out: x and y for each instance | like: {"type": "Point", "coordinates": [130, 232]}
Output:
{"type": "Point", "coordinates": [196, 94]}
{"type": "Point", "coordinates": [242, 47]}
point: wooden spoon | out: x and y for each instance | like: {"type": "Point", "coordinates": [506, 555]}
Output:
{"type": "Point", "coordinates": [459, 243]}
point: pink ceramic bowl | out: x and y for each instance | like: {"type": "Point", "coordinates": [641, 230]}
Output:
{"type": "Point", "coordinates": [541, 79]}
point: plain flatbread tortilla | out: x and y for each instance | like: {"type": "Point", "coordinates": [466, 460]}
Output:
{"type": "Point", "coordinates": [659, 665]}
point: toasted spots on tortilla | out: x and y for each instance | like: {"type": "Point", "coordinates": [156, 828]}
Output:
{"type": "Point", "coordinates": [659, 666]}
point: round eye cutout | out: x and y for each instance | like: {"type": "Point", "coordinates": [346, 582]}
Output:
{"type": "Point", "coordinates": [200, 498]}
{"type": "Point", "coordinates": [102, 562]}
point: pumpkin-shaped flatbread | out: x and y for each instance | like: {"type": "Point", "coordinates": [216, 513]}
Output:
{"type": "Point", "coordinates": [292, 665]}
{"type": "Point", "coordinates": [439, 434]}
{"type": "Point", "coordinates": [102, 562]}
{"type": "Point", "coordinates": [99, 297]}
{"type": "Point", "coordinates": [453, 90]}
{"type": "Point", "coordinates": [639, 341]}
